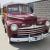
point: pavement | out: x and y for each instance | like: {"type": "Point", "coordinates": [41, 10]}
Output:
{"type": "Point", "coordinates": [4, 43]}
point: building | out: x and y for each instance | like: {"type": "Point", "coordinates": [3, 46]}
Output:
{"type": "Point", "coordinates": [42, 8]}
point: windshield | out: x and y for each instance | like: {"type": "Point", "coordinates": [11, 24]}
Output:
{"type": "Point", "coordinates": [19, 9]}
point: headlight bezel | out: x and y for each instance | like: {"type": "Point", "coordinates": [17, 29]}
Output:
{"type": "Point", "coordinates": [14, 27]}
{"type": "Point", "coordinates": [47, 23]}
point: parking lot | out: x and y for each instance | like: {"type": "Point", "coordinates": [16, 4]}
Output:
{"type": "Point", "coordinates": [4, 43]}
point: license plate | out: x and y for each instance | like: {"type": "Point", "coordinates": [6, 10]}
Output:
{"type": "Point", "coordinates": [35, 38]}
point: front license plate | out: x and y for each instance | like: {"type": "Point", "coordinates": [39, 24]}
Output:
{"type": "Point", "coordinates": [35, 38]}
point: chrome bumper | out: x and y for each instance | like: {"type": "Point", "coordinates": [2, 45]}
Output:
{"type": "Point", "coordinates": [29, 39]}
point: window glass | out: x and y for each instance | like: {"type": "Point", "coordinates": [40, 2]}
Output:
{"type": "Point", "coordinates": [19, 9]}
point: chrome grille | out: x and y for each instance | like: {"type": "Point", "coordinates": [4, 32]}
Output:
{"type": "Point", "coordinates": [31, 30]}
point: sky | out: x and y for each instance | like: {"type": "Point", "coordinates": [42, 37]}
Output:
{"type": "Point", "coordinates": [2, 2]}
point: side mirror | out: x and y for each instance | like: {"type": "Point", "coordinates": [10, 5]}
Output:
{"type": "Point", "coordinates": [31, 9]}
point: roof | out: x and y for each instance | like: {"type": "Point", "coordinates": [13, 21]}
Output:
{"type": "Point", "coordinates": [13, 3]}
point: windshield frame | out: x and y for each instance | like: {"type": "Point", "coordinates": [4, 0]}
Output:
{"type": "Point", "coordinates": [19, 6]}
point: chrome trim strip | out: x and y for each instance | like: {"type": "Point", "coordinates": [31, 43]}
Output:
{"type": "Point", "coordinates": [31, 27]}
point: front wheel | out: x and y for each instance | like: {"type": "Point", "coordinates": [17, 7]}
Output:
{"type": "Point", "coordinates": [10, 42]}
{"type": "Point", "coordinates": [5, 29]}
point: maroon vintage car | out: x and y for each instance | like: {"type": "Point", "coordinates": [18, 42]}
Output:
{"type": "Point", "coordinates": [22, 25]}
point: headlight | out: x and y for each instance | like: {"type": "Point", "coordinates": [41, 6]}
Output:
{"type": "Point", "coordinates": [14, 27]}
{"type": "Point", "coordinates": [47, 23]}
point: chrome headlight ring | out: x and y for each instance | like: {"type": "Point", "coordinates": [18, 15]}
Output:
{"type": "Point", "coordinates": [14, 27]}
{"type": "Point", "coordinates": [47, 23]}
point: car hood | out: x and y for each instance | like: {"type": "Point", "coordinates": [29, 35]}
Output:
{"type": "Point", "coordinates": [26, 18]}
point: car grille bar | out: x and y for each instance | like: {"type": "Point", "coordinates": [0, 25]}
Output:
{"type": "Point", "coordinates": [31, 30]}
